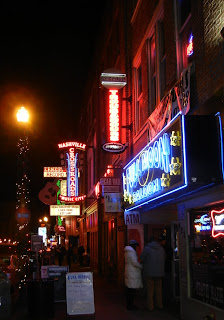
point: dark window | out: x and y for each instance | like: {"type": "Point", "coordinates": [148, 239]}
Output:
{"type": "Point", "coordinates": [185, 9]}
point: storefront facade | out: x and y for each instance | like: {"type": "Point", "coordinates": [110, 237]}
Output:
{"type": "Point", "coordinates": [201, 255]}
{"type": "Point", "coordinates": [168, 186]}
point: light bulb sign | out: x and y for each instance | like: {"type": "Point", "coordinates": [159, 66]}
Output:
{"type": "Point", "coordinates": [72, 172]}
{"type": "Point", "coordinates": [72, 159]}
{"type": "Point", "coordinates": [113, 80]}
{"type": "Point", "coordinates": [158, 169]}
{"type": "Point", "coordinates": [55, 172]}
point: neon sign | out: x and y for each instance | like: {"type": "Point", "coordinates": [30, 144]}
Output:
{"type": "Point", "coordinates": [72, 173]}
{"type": "Point", "coordinates": [114, 121]}
{"type": "Point", "coordinates": [203, 223]}
{"type": "Point", "coordinates": [72, 199]}
{"type": "Point", "coordinates": [190, 47]}
{"type": "Point", "coordinates": [217, 223]}
{"type": "Point", "coordinates": [77, 145]}
{"type": "Point", "coordinates": [159, 168]}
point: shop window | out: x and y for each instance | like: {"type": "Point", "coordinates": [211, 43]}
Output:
{"type": "Point", "coordinates": [207, 257]}
{"type": "Point", "coordinates": [183, 33]}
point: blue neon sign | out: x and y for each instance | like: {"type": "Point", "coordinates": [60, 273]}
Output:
{"type": "Point", "coordinates": [159, 168]}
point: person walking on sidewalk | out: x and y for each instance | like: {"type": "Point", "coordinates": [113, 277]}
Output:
{"type": "Point", "coordinates": [133, 278]}
{"type": "Point", "coordinates": [81, 250]}
{"type": "Point", "coordinates": [153, 259]}
{"type": "Point", "coordinates": [70, 255]}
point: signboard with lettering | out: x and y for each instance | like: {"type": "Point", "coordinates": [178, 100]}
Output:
{"type": "Point", "coordinates": [217, 223]}
{"type": "Point", "coordinates": [79, 293]}
{"type": "Point", "coordinates": [113, 202]}
{"type": "Point", "coordinates": [158, 169]}
{"type": "Point", "coordinates": [68, 210]}
{"type": "Point", "coordinates": [132, 217]}
{"type": "Point", "coordinates": [55, 172]}
{"type": "Point", "coordinates": [36, 243]}
{"type": "Point", "coordinates": [180, 156]}
{"type": "Point", "coordinates": [58, 273]}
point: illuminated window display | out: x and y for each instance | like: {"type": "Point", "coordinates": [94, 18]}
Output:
{"type": "Point", "coordinates": [207, 256]}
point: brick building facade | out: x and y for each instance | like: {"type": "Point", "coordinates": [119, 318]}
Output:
{"type": "Point", "coordinates": [172, 54]}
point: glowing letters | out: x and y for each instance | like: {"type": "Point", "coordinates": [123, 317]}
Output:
{"type": "Point", "coordinates": [218, 223]}
{"type": "Point", "coordinates": [77, 145]}
{"type": "Point", "coordinates": [157, 170]}
{"type": "Point", "coordinates": [72, 173]}
{"type": "Point", "coordinates": [114, 122]}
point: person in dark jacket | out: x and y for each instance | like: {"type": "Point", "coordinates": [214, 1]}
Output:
{"type": "Point", "coordinates": [81, 250]}
{"type": "Point", "coordinates": [70, 255]}
{"type": "Point", "coordinates": [153, 259]}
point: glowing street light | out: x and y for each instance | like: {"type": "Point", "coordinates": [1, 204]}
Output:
{"type": "Point", "coordinates": [22, 115]}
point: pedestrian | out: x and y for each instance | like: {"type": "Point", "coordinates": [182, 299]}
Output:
{"type": "Point", "coordinates": [70, 255]}
{"type": "Point", "coordinates": [81, 250]}
{"type": "Point", "coordinates": [133, 278]}
{"type": "Point", "coordinates": [153, 260]}
{"type": "Point", "coordinates": [60, 255]}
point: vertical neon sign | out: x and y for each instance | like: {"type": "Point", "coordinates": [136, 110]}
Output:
{"type": "Point", "coordinates": [114, 121]}
{"type": "Point", "coordinates": [72, 174]}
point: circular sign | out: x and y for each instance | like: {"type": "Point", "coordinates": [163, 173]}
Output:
{"type": "Point", "coordinates": [113, 79]}
{"type": "Point", "coordinates": [23, 215]}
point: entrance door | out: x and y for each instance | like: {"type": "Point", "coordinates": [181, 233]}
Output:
{"type": "Point", "coordinates": [175, 262]}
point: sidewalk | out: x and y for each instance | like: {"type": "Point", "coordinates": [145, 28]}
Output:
{"type": "Point", "coordinates": [109, 301]}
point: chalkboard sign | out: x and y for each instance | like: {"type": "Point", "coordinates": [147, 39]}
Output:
{"type": "Point", "coordinates": [79, 293]}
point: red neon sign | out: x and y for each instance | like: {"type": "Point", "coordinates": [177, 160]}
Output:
{"type": "Point", "coordinates": [217, 223]}
{"type": "Point", "coordinates": [114, 121]}
{"type": "Point", "coordinates": [71, 199]}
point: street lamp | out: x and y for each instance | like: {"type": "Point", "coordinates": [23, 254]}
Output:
{"type": "Point", "coordinates": [22, 115]}
{"type": "Point", "coordinates": [22, 185]}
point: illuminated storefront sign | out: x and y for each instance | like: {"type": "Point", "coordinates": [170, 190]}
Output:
{"type": "Point", "coordinates": [217, 223]}
{"type": "Point", "coordinates": [67, 210]}
{"type": "Point", "coordinates": [159, 169]}
{"type": "Point", "coordinates": [72, 173]}
{"type": "Point", "coordinates": [54, 172]}
{"type": "Point", "coordinates": [190, 47]}
{"type": "Point", "coordinates": [114, 121]}
{"type": "Point", "coordinates": [76, 145]}
{"type": "Point", "coordinates": [113, 79]}
{"type": "Point", "coordinates": [202, 223]}
{"type": "Point", "coordinates": [71, 199]}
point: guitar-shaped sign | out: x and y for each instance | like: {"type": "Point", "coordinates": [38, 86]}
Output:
{"type": "Point", "coordinates": [48, 195]}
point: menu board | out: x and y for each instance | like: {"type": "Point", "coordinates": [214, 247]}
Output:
{"type": "Point", "coordinates": [79, 293]}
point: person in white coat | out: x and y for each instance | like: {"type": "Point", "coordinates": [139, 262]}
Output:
{"type": "Point", "coordinates": [133, 277]}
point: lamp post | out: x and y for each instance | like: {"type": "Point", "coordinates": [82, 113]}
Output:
{"type": "Point", "coordinates": [22, 184]}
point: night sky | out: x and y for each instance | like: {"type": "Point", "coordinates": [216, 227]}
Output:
{"type": "Point", "coordinates": [45, 54]}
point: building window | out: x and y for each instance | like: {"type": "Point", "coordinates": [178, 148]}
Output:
{"type": "Point", "coordinates": [90, 165]}
{"type": "Point", "coordinates": [138, 99]}
{"type": "Point", "coordinates": [206, 257]}
{"type": "Point", "coordinates": [156, 66]}
{"type": "Point", "coordinates": [152, 72]}
{"type": "Point", "coordinates": [183, 33]}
